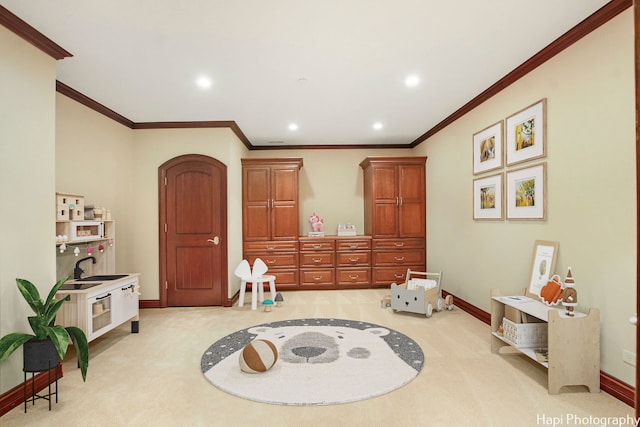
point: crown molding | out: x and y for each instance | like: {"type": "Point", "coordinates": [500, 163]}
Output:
{"type": "Point", "coordinates": [30, 34]}
{"type": "Point", "coordinates": [589, 24]}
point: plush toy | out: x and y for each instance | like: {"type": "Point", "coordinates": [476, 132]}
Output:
{"type": "Point", "coordinates": [258, 356]}
{"type": "Point", "coordinates": [551, 293]}
{"type": "Point", "coordinates": [316, 222]}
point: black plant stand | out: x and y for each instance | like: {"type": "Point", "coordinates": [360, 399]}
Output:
{"type": "Point", "coordinates": [40, 356]}
{"type": "Point", "coordinates": [34, 395]}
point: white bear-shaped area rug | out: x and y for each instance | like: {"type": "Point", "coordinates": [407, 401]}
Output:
{"type": "Point", "coordinates": [320, 362]}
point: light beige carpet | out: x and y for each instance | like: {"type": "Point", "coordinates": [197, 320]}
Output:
{"type": "Point", "coordinates": [154, 377]}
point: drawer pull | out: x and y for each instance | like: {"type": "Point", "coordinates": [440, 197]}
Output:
{"type": "Point", "coordinates": [317, 261]}
{"type": "Point", "coordinates": [271, 248]}
{"type": "Point", "coordinates": [317, 246]}
{"type": "Point", "coordinates": [354, 246]}
{"type": "Point", "coordinates": [271, 261]}
{"type": "Point", "coordinates": [399, 276]}
{"type": "Point", "coordinates": [352, 277]}
{"type": "Point", "coordinates": [354, 259]}
{"type": "Point", "coordinates": [399, 258]}
{"type": "Point", "coordinates": [398, 244]}
{"type": "Point", "coordinates": [318, 278]}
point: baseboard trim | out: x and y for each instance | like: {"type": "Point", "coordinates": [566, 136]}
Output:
{"type": "Point", "coordinates": [15, 396]}
{"type": "Point", "coordinates": [149, 303]}
{"type": "Point", "coordinates": [611, 385]}
{"type": "Point", "coordinates": [469, 308]}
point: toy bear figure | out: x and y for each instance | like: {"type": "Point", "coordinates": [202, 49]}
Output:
{"type": "Point", "coordinates": [569, 295]}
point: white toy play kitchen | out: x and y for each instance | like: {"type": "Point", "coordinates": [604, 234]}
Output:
{"type": "Point", "coordinates": [100, 300]}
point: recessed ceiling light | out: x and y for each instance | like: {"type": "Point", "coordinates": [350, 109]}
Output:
{"type": "Point", "coordinates": [204, 82]}
{"type": "Point", "coordinates": [412, 80]}
{"type": "Point", "coordinates": [377, 126]}
{"type": "Point", "coordinates": [293, 126]}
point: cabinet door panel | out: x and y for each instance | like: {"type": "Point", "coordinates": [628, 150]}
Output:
{"type": "Point", "coordinates": [385, 183]}
{"type": "Point", "coordinates": [284, 222]}
{"type": "Point", "coordinates": [255, 196]}
{"type": "Point", "coordinates": [385, 220]}
{"type": "Point", "coordinates": [284, 185]}
{"type": "Point", "coordinates": [411, 218]}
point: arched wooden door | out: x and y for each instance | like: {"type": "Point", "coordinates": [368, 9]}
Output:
{"type": "Point", "coordinates": [193, 231]}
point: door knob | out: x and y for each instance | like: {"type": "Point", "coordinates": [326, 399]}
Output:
{"type": "Point", "coordinates": [215, 240]}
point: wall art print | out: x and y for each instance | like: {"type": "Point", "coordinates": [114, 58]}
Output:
{"type": "Point", "coordinates": [526, 133]}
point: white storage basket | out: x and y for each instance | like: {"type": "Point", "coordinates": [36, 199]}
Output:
{"type": "Point", "coordinates": [525, 334]}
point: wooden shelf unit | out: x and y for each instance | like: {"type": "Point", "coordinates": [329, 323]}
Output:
{"type": "Point", "coordinates": [573, 342]}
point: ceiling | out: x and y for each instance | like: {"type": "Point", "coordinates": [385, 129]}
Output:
{"type": "Point", "coordinates": [332, 67]}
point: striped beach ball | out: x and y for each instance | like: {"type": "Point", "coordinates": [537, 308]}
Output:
{"type": "Point", "coordinates": [258, 356]}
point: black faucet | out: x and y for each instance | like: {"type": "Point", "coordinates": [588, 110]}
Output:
{"type": "Point", "coordinates": [77, 272]}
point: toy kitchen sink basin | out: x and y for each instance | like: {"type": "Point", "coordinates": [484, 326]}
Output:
{"type": "Point", "coordinates": [90, 281]}
{"type": "Point", "coordinates": [78, 286]}
{"type": "Point", "coordinates": [101, 277]}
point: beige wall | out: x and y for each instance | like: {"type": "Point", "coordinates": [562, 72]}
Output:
{"type": "Point", "coordinates": [94, 158]}
{"type": "Point", "coordinates": [591, 189]}
{"type": "Point", "coordinates": [27, 175]}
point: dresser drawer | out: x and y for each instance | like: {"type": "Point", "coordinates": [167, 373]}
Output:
{"type": "Point", "coordinates": [353, 258]}
{"type": "Point", "coordinates": [317, 245]}
{"type": "Point", "coordinates": [316, 259]}
{"type": "Point", "coordinates": [353, 245]}
{"type": "Point", "coordinates": [387, 275]}
{"type": "Point", "coordinates": [284, 277]}
{"type": "Point", "coordinates": [317, 277]}
{"type": "Point", "coordinates": [275, 260]}
{"type": "Point", "coordinates": [379, 244]}
{"type": "Point", "coordinates": [353, 276]}
{"type": "Point", "coordinates": [404, 257]}
{"type": "Point", "coordinates": [271, 246]}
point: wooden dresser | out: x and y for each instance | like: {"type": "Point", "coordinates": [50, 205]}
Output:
{"type": "Point", "coordinates": [395, 216]}
{"type": "Point", "coordinates": [335, 262]}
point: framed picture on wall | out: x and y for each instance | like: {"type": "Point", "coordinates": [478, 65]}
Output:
{"type": "Point", "coordinates": [526, 133]}
{"type": "Point", "coordinates": [487, 148]}
{"type": "Point", "coordinates": [487, 198]}
{"type": "Point", "coordinates": [543, 266]}
{"type": "Point", "coordinates": [527, 193]}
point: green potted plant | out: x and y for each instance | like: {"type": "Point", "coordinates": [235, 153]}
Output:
{"type": "Point", "coordinates": [44, 328]}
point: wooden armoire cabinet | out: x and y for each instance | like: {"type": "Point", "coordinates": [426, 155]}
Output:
{"type": "Point", "coordinates": [270, 221]}
{"type": "Point", "coordinates": [395, 216]}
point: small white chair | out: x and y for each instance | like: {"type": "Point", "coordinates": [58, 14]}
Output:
{"type": "Point", "coordinates": [257, 278]}
{"type": "Point", "coordinates": [259, 268]}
